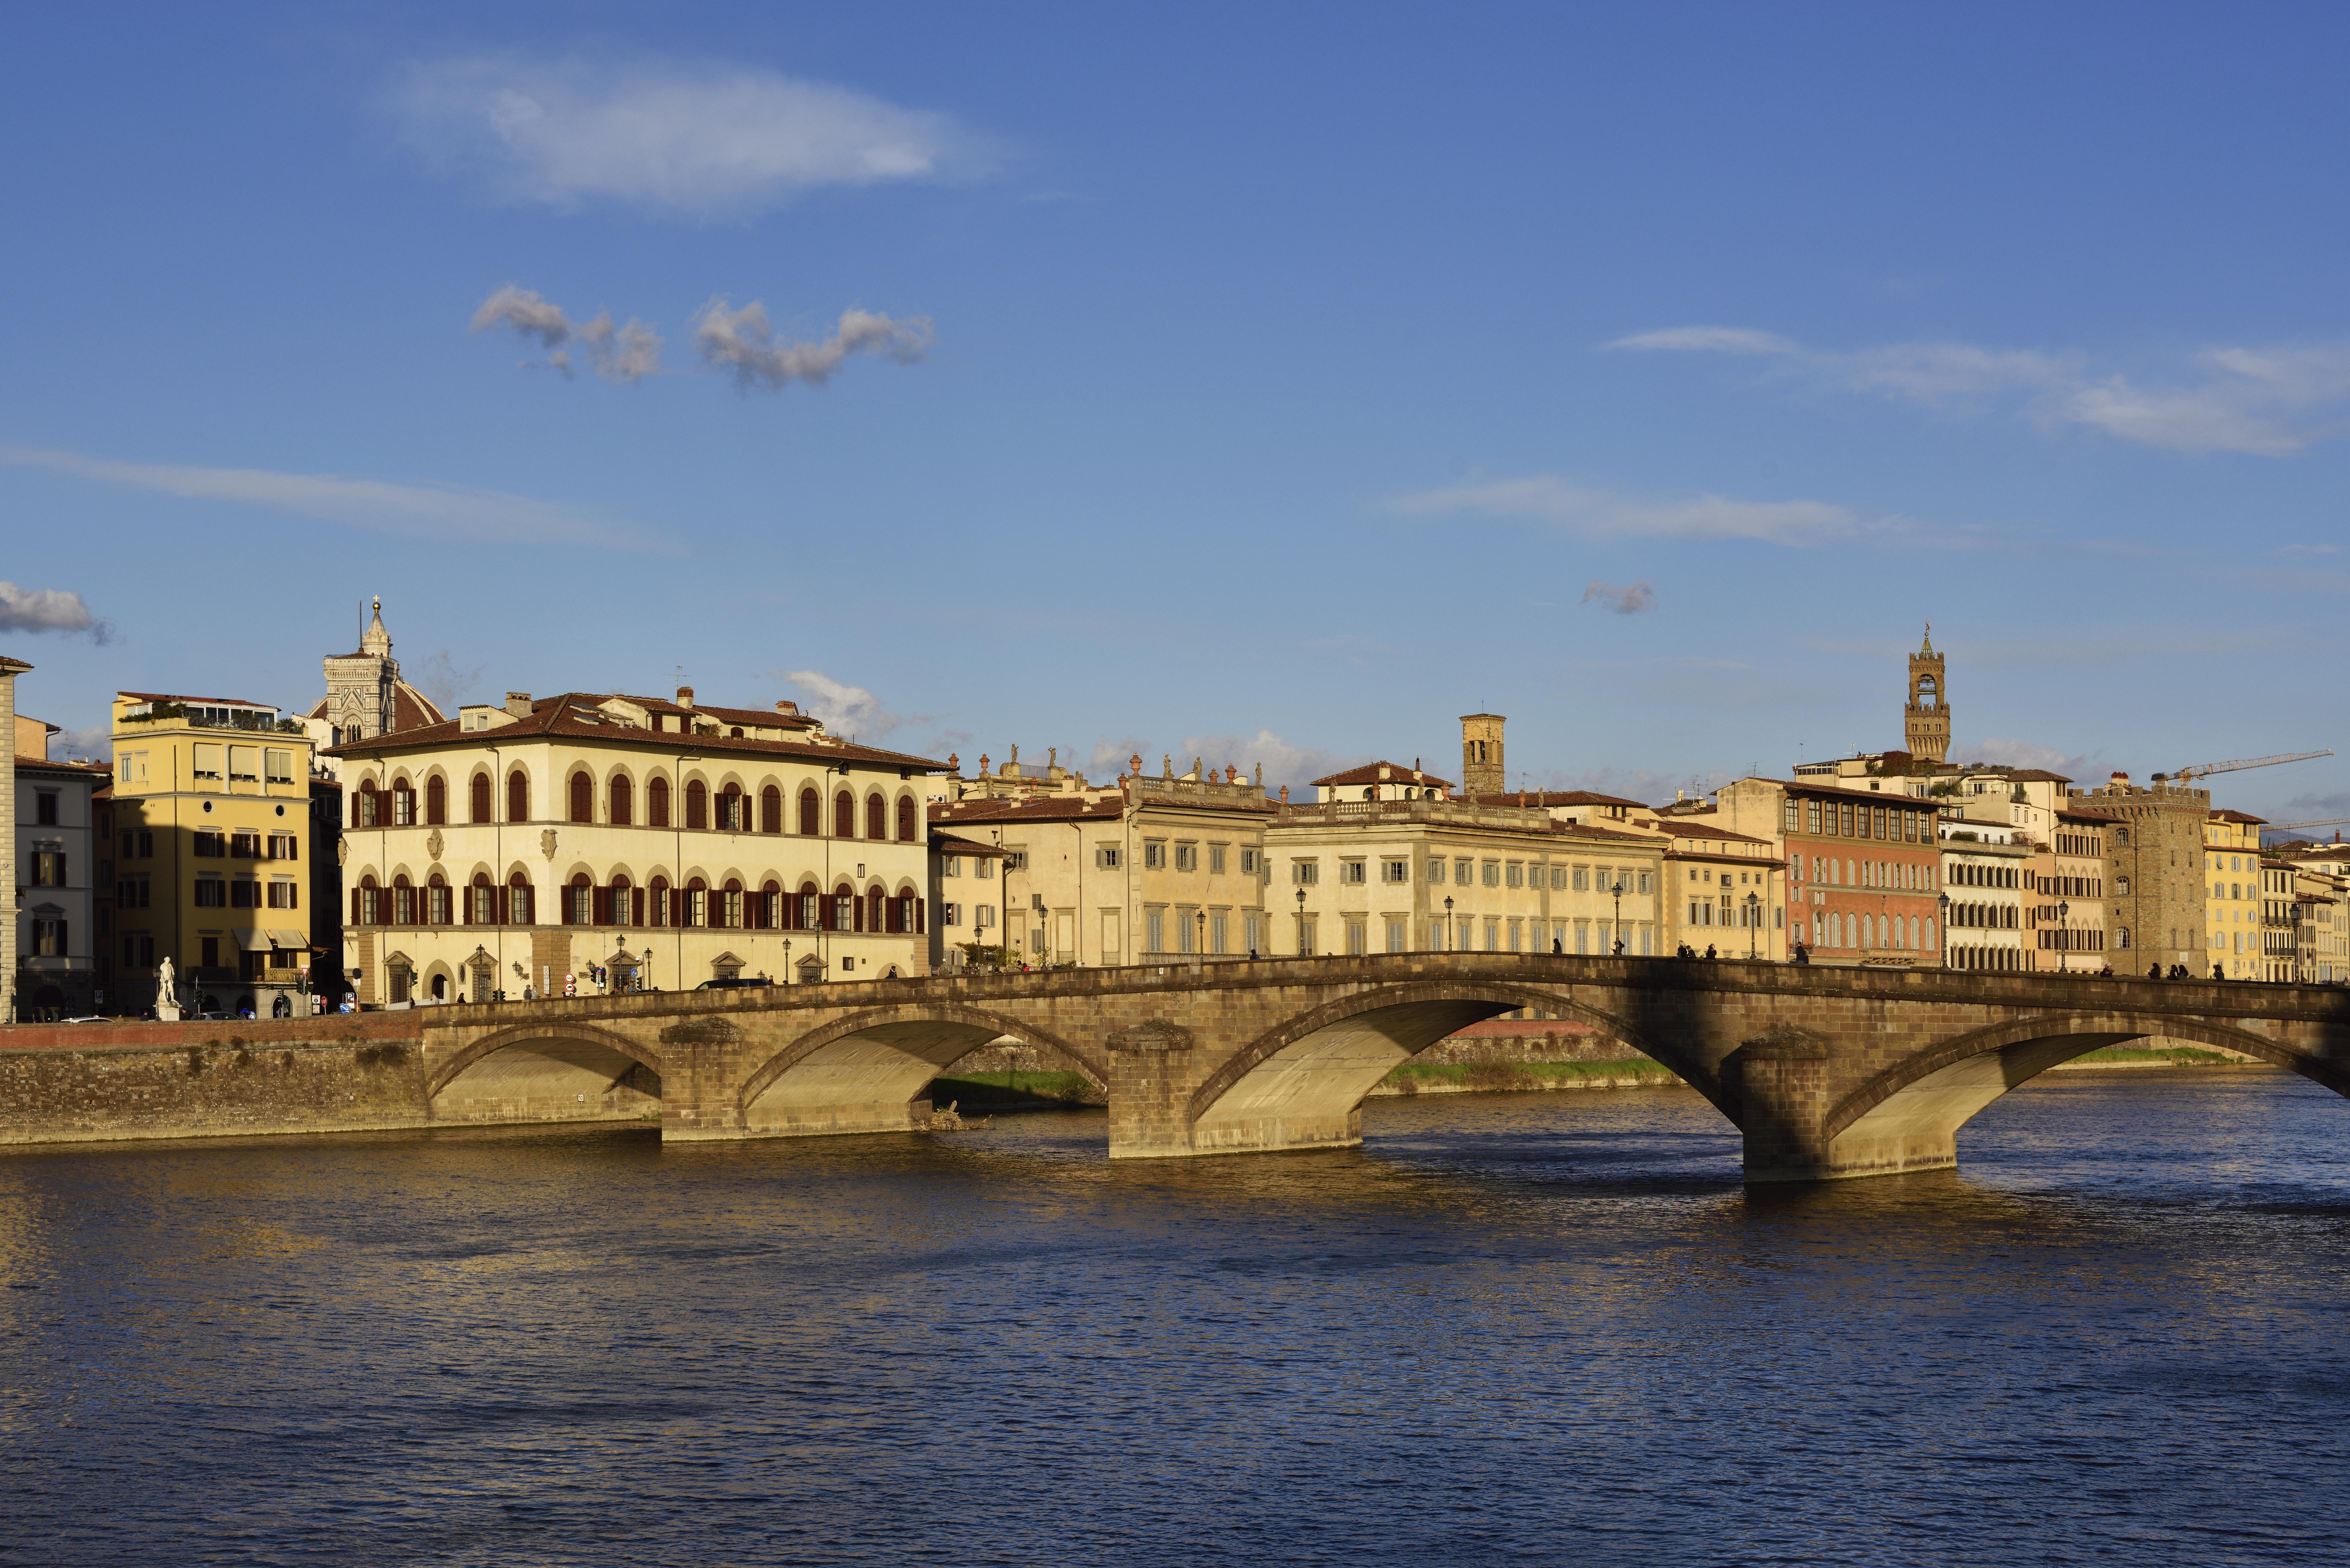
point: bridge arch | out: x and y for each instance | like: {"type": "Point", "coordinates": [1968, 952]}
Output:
{"type": "Point", "coordinates": [1302, 1083]}
{"type": "Point", "coordinates": [547, 1071]}
{"type": "Point", "coordinates": [862, 1073]}
{"type": "Point", "coordinates": [1907, 1117]}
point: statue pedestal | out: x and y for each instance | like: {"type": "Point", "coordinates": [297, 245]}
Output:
{"type": "Point", "coordinates": [167, 1012]}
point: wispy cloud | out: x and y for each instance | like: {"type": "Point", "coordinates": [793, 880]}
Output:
{"type": "Point", "coordinates": [1284, 762]}
{"type": "Point", "coordinates": [1598, 513]}
{"type": "Point", "coordinates": [1628, 600]}
{"type": "Point", "coordinates": [2082, 767]}
{"type": "Point", "coordinates": [625, 354]}
{"type": "Point", "coordinates": [849, 710]}
{"type": "Point", "coordinates": [743, 342]}
{"type": "Point", "coordinates": [40, 610]}
{"type": "Point", "coordinates": [2267, 402]}
{"type": "Point", "coordinates": [685, 136]}
{"type": "Point", "coordinates": [408, 510]}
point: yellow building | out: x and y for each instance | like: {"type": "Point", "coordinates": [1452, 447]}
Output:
{"type": "Point", "coordinates": [542, 844]}
{"type": "Point", "coordinates": [2231, 865]}
{"type": "Point", "coordinates": [1092, 875]}
{"type": "Point", "coordinates": [210, 817]}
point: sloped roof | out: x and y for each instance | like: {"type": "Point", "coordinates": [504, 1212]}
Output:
{"type": "Point", "coordinates": [554, 718]}
{"type": "Point", "coordinates": [1546, 798]}
{"type": "Point", "coordinates": [1368, 774]}
{"type": "Point", "coordinates": [411, 709]}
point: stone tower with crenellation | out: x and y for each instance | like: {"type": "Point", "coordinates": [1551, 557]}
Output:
{"type": "Point", "coordinates": [1481, 754]}
{"type": "Point", "coordinates": [1926, 728]}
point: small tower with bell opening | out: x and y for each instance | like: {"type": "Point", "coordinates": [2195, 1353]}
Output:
{"type": "Point", "coordinates": [1481, 771]}
{"type": "Point", "coordinates": [1926, 727]}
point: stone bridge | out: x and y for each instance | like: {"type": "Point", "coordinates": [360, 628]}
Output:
{"type": "Point", "coordinates": [1827, 1072]}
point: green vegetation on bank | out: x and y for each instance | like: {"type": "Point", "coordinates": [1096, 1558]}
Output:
{"type": "Point", "coordinates": [1412, 1076]}
{"type": "Point", "coordinates": [2179, 1055]}
{"type": "Point", "coordinates": [981, 1089]}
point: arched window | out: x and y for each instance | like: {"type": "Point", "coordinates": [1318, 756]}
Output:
{"type": "Point", "coordinates": [403, 901]}
{"type": "Point", "coordinates": [2121, 885]}
{"type": "Point", "coordinates": [697, 805]}
{"type": "Point", "coordinates": [518, 901]}
{"type": "Point", "coordinates": [769, 912]}
{"type": "Point", "coordinates": [811, 813]}
{"type": "Point", "coordinates": [696, 904]}
{"type": "Point", "coordinates": [656, 802]}
{"type": "Point", "coordinates": [656, 906]}
{"type": "Point", "coordinates": [624, 801]}
{"type": "Point", "coordinates": [583, 798]}
{"type": "Point", "coordinates": [436, 800]}
{"type": "Point", "coordinates": [363, 806]}
{"type": "Point", "coordinates": [807, 914]}
{"type": "Point", "coordinates": [580, 901]}
{"type": "Point", "coordinates": [730, 905]}
{"type": "Point", "coordinates": [844, 910]}
{"type": "Point", "coordinates": [871, 914]}
{"type": "Point", "coordinates": [906, 819]}
{"type": "Point", "coordinates": [480, 898]}
{"type": "Point", "coordinates": [844, 815]}
{"type": "Point", "coordinates": [517, 797]}
{"type": "Point", "coordinates": [367, 904]}
{"type": "Point", "coordinates": [730, 809]}
{"type": "Point", "coordinates": [480, 797]}
{"type": "Point", "coordinates": [436, 900]}
{"type": "Point", "coordinates": [877, 817]}
{"type": "Point", "coordinates": [770, 809]}
{"type": "Point", "coordinates": [403, 803]}
{"type": "Point", "coordinates": [622, 911]}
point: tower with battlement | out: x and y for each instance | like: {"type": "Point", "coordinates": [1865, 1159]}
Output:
{"type": "Point", "coordinates": [1925, 726]}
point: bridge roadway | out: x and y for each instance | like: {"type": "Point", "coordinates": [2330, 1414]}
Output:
{"type": "Point", "coordinates": [1828, 1072]}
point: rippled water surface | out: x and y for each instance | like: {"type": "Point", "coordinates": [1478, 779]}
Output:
{"type": "Point", "coordinates": [1538, 1328]}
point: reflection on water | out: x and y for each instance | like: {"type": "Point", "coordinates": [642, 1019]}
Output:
{"type": "Point", "coordinates": [1545, 1327]}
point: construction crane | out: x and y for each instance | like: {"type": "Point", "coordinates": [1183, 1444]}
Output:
{"type": "Point", "coordinates": [2238, 765]}
{"type": "Point", "coordinates": [2267, 827]}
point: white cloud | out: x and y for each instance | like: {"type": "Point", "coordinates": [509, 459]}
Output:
{"type": "Point", "coordinates": [2080, 766]}
{"type": "Point", "coordinates": [50, 610]}
{"type": "Point", "coordinates": [1284, 762]}
{"type": "Point", "coordinates": [1628, 600]}
{"type": "Point", "coordinates": [380, 506]}
{"type": "Point", "coordinates": [847, 709]}
{"type": "Point", "coordinates": [689, 136]}
{"type": "Point", "coordinates": [2265, 403]}
{"type": "Point", "coordinates": [89, 742]}
{"type": "Point", "coordinates": [1546, 498]}
{"type": "Point", "coordinates": [627, 354]}
{"type": "Point", "coordinates": [742, 342]}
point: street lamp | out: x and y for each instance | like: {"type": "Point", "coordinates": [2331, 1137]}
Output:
{"type": "Point", "coordinates": [1754, 921]}
{"type": "Point", "coordinates": [1301, 923]}
{"type": "Point", "coordinates": [1199, 946]}
{"type": "Point", "coordinates": [787, 960]}
{"type": "Point", "coordinates": [1449, 945]}
{"type": "Point", "coordinates": [1944, 900]}
{"type": "Point", "coordinates": [2063, 938]}
{"type": "Point", "coordinates": [1618, 891]}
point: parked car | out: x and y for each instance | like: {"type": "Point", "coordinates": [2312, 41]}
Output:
{"type": "Point", "coordinates": [735, 984]}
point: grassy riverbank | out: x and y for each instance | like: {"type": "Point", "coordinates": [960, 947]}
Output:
{"type": "Point", "coordinates": [2167, 1056]}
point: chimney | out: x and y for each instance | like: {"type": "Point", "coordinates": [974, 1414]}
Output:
{"type": "Point", "coordinates": [782, 705]}
{"type": "Point", "coordinates": [685, 698]}
{"type": "Point", "coordinates": [518, 704]}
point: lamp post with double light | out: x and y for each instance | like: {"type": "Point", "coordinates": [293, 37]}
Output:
{"type": "Point", "coordinates": [1944, 900]}
{"type": "Point", "coordinates": [1199, 946]}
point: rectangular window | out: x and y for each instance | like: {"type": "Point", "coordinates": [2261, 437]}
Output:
{"type": "Point", "coordinates": [244, 845]}
{"type": "Point", "coordinates": [1248, 862]}
{"type": "Point", "coordinates": [1105, 857]}
{"type": "Point", "coordinates": [281, 765]}
{"type": "Point", "coordinates": [951, 914]}
{"type": "Point", "coordinates": [1219, 932]}
{"type": "Point", "coordinates": [1254, 931]}
{"type": "Point", "coordinates": [1464, 872]}
{"type": "Point", "coordinates": [1790, 817]}
{"type": "Point", "coordinates": [1811, 816]}
{"type": "Point", "coordinates": [583, 905]}
{"type": "Point", "coordinates": [282, 893]}
{"type": "Point", "coordinates": [982, 867]}
{"type": "Point", "coordinates": [951, 866]}
{"type": "Point", "coordinates": [45, 808]}
{"type": "Point", "coordinates": [436, 902]}
{"type": "Point", "coordinates": [1492, 936]}
{"type": "Point", "coordinates": [212, 893]}
{"type": "Point", "coordinates": [1394, 873]}
{"type": "Point", "coordinates": [1154, 855]}
{"type": "Point", "coordinates": [1354, 873]}
{"type": "Point", "coordinates": [1436, 941]}
{"type": "Point", "coordinates": [1398, 935]}
{"type": "Point", "coordinates": [1436, 870]}
{"type": "Point", "coordinates": [1186, 920]}
{"type": "Point", "coordinates": [1187, 857]}
{"type": "Point", "coordinates": [1357, 938]}
{"type": "Point", "coordinates": [1305, 873]}
{"type": "Point", "coordinates": [1154, 931]}
{"type": "Point", "coordinates": [1517, 937]}
{"type": "Point", "coordinates": [209, 762]}
{"type": "Point", "coordinates": [1514, 874]}
{"type": "Point", "coordinates": [1493, 873]}
{"type": "Point", "coordinates": [1558, 876]}
{"type": "Point", "coordinates": [1216, 864]}
{"type": "Point", "coordinates": [245, 765]}
{"type": "Point", "coordinates": [1015, 860]}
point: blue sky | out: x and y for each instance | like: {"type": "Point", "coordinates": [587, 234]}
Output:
{"type": "Point", "coordinates": [1278, 384]}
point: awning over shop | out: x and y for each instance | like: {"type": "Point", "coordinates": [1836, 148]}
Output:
{"type": "Point", "coordinates": [251, 941]}
{"type": "Point", "coordinates": [284, 939]}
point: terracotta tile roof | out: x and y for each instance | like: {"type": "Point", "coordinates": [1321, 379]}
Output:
{"type": "Point", "coordinates": [948, 844]}
{"type": "Point", "coordinates": [50, 765]}
{"type": "Point", "coordinates": [1544, 799]}
{"type": "Point", "coordinates": [1879, 797]}
{"type": "Point", "coordinates": [2037, 775]}
{"type": "Point", "coordinates": [555, 717]}
{"type": "Point", "coordinates": [774, 718]}
{"type": "Point", "coordinates": [1051, 808]}
{"type": "Point", "coordinates": [2237, 816]}
{"type": "Point", "coordinates": [1705, 830]}
{"type": "Point", "coordinates": [210, 701]}
{"type": "Point", "coordinates": [1368, 774]}
{"type": "Point", "coordinates": [411, 709]}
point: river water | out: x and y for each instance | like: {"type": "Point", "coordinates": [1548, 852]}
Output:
{"type": "Point", "coordinates": [1534, 1328]}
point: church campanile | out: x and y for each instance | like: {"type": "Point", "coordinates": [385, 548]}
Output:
{"type": "Point", "coordinates": [1926, 728]}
